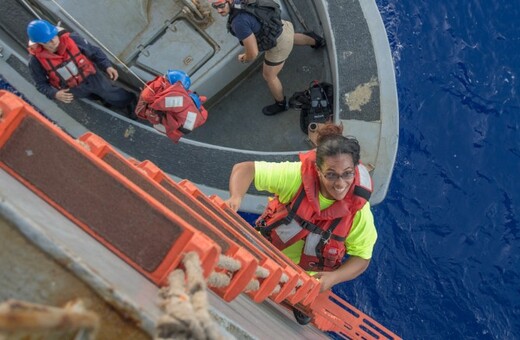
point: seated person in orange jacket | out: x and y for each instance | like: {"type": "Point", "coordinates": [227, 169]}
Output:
{"type": "Point", "coordinates": [65, 66]}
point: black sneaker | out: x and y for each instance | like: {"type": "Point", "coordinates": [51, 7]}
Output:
{"type": "Point", "coordinates": [319, 41]}
{"type": "Point", "coordinates": [275, 108]}
{"type": "Point", "coordinates": [301, 317]}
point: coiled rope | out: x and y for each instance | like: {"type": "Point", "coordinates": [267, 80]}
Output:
{"type": "Point", "coordinates": [185, 305]}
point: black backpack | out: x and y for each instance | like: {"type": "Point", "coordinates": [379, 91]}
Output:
{"type": "Point", "coordinates": [268, 13]}
{"type": "Point", "coordinates": [315, 104]}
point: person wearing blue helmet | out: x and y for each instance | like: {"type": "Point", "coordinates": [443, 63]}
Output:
{"type": "Point", "coordinates": [64, 66]}
{"type": "Point", "coordinates": [170, 106]}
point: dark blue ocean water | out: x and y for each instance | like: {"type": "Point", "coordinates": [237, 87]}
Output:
{"type": "Point", "coordinates": [447, 261]}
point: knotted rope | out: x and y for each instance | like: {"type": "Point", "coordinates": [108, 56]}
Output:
{"type": "Point", "coordinates": [185, 305]}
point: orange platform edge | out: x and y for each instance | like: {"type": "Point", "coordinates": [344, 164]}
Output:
{"type": "Point", "coordinates": [309, 288]}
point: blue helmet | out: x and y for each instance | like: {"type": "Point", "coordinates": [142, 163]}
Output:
{"type": "Point", "coordinates": [41, 31]}
{"type": "Point", "coordinates": [174, 76]}
{"type": "Point", "coordinates": [196, 99]}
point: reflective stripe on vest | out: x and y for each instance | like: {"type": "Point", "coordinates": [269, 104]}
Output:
{"type": "Point", "coordinates": [311, 241]}
{"type": "Point", "coordinates": [287, 231]}
{"type": "Point", "coordinates": [170, 105]}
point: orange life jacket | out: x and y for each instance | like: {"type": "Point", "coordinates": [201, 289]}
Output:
{"type": "Point", "coordinates": [324, 232]}
{"type": "Point", "coordinates": [67, 67]}
{"type": "Point", "coordinates": [171, 106]}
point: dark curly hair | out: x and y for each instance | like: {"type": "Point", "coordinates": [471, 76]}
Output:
{"type": "Point", "coordinates": [331, 142]}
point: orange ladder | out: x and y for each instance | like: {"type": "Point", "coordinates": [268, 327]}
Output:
{"type": "Point", "coordinates": [106, 205]}
{"type": "Point", "coordinates": [248, 263]}
{"type": "Point", "coordinates": [267, 284]}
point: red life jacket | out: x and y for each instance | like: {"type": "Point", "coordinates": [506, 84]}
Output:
{"type": "Point", "coordinates": [67, 67]}
{"type": "Point", "coordinates": [324, 232]}
{"type": "Point", "coordinates": [170, 106]}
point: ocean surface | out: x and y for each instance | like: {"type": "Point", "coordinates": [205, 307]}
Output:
{"type": "Point", "coordinates": [447, 261]}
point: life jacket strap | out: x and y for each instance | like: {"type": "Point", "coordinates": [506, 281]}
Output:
{"type": "Point", "coordinates": [266, 231]}
{"type": "Point", "coordinates": [326, 234]}
{"type": "Point", "coordinates": [362, 192]}
{"type": "Point", "coordinates": [294, 208]}
{"type": "Point", "coordinates": [323, 241]}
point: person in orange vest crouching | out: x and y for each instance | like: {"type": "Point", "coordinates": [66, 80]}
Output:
{"type": "Point", "coordinates": [169, 105]}
{"type": "Point", "coordinates": [64, 66]}
{"type": "Point", "coordinates": [320, 211]}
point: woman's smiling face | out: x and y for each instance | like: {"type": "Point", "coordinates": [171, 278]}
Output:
{"type": "Point", "coordinates": [336, 175]}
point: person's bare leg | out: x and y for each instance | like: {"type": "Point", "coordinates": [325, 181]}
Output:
{"type": "Point", "coordinates": [270, 74]}
{"type": "Point", "coordinates": [311, 39]}
{"type": "Point", "coordinates": [303, 40]}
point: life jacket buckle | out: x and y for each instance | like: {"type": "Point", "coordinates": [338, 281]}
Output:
{"type": "Point", "coordinates": [327, 234]}
{"type": "Point", "coordinates": [261, 226]}
{"type": "Point", "coordinates": [260, 223]}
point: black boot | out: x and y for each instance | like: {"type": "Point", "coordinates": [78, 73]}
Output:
{"type": "Point", "coordinates": [130, 109]}
{"type": "Point", "coordinates": [275, 108]}
{"type": "Point", "coordinates": [319, 41]}
{"type": "Point", "coordinates": [301, 317]}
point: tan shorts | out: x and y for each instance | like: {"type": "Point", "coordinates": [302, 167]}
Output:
{"type": "Point", "coordinates": [284, 45]}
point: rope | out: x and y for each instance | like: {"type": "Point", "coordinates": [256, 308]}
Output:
{"type": "Point", "coordinates": [19, 317]}
{"type": "Point", "coordinates": [261, 272]}
{"type": "Point", "coordinates": [228, 263]}
{"type": "Point", "coordinates": [199, 12]}
{"type": "Point", "coordinates": [185, 305]}
{"type": "Point", "coordinates": [298, 285]}
{"type": "Point", "coordinates": [220, 280]}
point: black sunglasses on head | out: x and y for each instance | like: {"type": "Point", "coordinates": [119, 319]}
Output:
{"type": "Point", "coordinates": [219, 6]}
